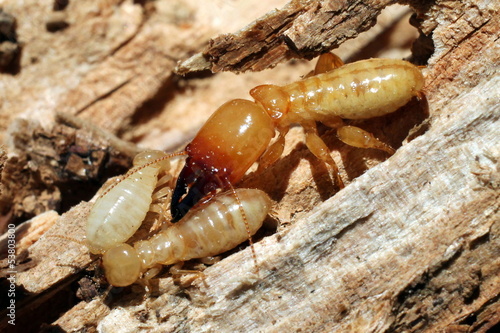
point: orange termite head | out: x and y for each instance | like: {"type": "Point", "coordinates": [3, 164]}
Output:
{"type": "Point", "coordinates": [234, 137]}
{"type": "Point", "coordinates": [272, 98]}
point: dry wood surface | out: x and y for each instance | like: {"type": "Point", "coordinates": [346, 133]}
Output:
{"type": "Point", "coordinates": [411, 244]}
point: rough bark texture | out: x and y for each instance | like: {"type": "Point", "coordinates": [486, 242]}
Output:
{"type": "Point", "coordinates": [301, 29]}
{"type": "Point", "coordinates": [411, 244]}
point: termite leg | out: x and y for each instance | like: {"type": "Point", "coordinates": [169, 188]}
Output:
{"type": "Point", "coordinates": [160, 205]}
{"type": "Point", "coordinates": [71, 239]}
{"type": "Point", "coordinates": [210, 260]}
{"type": "Point", "coordinates": [357, 137]}
{"type": "Point", "coordinates": [164, 180]}
{"type": "Point", "coordinates": [274, 151]}
{"type": "Point", "coordinates": [318, 147]}
{"type": "Point", "coordinates": [149, 275]}
{"type": "Point", "coordinates": [176, 269]}
{"type": "Point", "coordinates": [333, 122]}
{"type": "Point", "coordinates": [327, 62]}
{"type": "Point", "coordinates": [162, 193]}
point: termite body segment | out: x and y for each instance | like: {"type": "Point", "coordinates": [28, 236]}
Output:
{"type": "Point", "coordinates": [360, 90]}
{"type": "Point", "coordinates": [240, 131]}
{"type": "Point", "coordinates": [120, 210]}
{"type": "Point", "coordinates": [208, 229]}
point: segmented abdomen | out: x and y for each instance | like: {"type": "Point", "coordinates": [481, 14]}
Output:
{"type": "Point", "coordinates": [359, 90]}
{"type": "Point", "coordinates": [117, 215]}
{"type": "Point", "coordinates": [207, 230]}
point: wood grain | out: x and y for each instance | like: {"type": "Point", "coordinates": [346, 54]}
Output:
{"type": "Point", "coordinates": [411, 244]}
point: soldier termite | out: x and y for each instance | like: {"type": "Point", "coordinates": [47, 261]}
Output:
{"type": "Point", "coordinates": [240, 131]}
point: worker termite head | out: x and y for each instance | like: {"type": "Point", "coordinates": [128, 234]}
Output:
{"type": "Point", "coordinates": [122, 265]}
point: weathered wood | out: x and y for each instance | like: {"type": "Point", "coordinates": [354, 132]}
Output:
{"type": "Point", "coordinates": [412, 244]}
{"type": "Point", "coordinates": [301, 29]}
{"type": "Point", "coordinates": [57, 168]}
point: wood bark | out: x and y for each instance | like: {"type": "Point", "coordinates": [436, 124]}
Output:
{"type": "Point", "coordinates": [411, 244]}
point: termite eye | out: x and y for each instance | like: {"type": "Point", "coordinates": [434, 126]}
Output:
{"type": "Point", "coordinates": [272, 98]}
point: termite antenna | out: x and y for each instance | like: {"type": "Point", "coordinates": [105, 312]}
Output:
{"type": "Point", "coordinates": [71, 239]}
{"type": "Point", "coordinates": [247, 227]}
{"type": "Point", "coordinates": [141, 167]}
{"type": "Point", "coordinates": [77, 268]}
{"type": "Point", "coordinates": [106, 293]}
